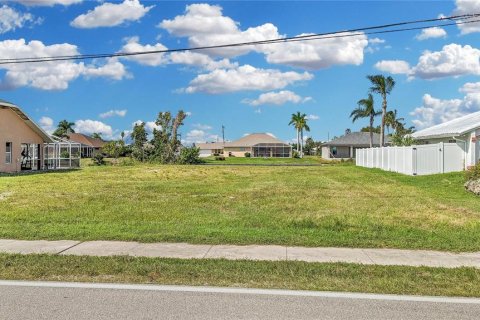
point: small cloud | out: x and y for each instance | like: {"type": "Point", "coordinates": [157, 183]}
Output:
{"type": "Point", "coordinates": [202, 126]}
{"type": "Point", "coordinates": [47, 124]}
{"type": "Point", "coordinates": [313, 117]}
{"type": "Point", "coordinates": [113, 113]}
{"type": "Point", "coordinates": [428, 33]}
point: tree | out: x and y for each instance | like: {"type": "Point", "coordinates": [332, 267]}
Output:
{"type": "Point", "coordinates": [165, 139]}
{"type": "Point", "coordinates": [383, 86]}
{"type": "Point", "coordinates": [64, 128]}
{"type": "Point", "coordinates": [139, 138]}
{"type": "Point", "coordinates": [299, 122]}
{"type": "Point", "coordinates": [366, 109]}
{"type": "Point", "coordinates": [393, 121]}
{"type": "Point", "coordinates": [114, 148]}
{"type": "Point", "coordinates": [122, 135]}
{"type": "Point", "coordinates": [295, 122]}
{"type": "Point", "coordinates": [96, 135]}
{"type": "Point", "coordinates": [310, 146]}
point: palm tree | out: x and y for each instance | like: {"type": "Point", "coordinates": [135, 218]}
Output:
{"type": "Point", "coordinates": [64, 128]}
{"type": "Point", "coordinates": [392, 120]}
{"type": "Point", "coordinates": [366, 109]}
{"type": "Point", "coordinates": [383, 86]}
{"type": "Point", "coordinates": [295, 122]}
{"type": "Point", "coordinates": [96, 135]}
{"type": "Point", "coordinates": [303, 126]}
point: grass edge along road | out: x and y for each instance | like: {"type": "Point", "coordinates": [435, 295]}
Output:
{"type": "Point", "coordinates": [253, 274]}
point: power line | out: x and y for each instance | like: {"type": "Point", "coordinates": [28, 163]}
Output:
{"type": "Point", "coordinates": [458, 20]}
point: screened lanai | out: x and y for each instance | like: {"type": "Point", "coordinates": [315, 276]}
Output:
{"type": "Point", "coordinates": [61, 154]}
{"type": "Point", "coordinates": [273, 150]}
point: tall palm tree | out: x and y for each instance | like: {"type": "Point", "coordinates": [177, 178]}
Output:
{"type": "Point", "coordinates": [64, 128]}
{"type": "Point", "coordinates": [383, 86]}
{"type": "Point", "coordinates": [303, 126]}
{"type": "Point", "coordinates": [295, 121]}
{"type": "Point", "coordinates": [366, 109]}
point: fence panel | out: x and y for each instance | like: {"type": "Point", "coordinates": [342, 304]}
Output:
{"type": "Point", "coordinates": [415, 160]}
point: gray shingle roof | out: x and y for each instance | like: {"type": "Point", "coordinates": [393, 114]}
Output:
{"type": "Point", "coordinates": [356, 139]}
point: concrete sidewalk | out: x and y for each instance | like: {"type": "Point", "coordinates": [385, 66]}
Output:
{"type": "Point", "coordinates": [250, 252]}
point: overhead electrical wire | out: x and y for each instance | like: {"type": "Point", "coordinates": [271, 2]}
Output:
{"type": "Point", "coordinates": [457, 20]}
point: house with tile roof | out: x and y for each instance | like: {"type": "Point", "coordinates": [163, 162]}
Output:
{"type": "Point", "coordinates": [90, 146]}
{"type": "Point", "coordinates": [258, 145]}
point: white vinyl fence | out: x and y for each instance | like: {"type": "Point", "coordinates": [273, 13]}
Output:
{"type": "Point", "coordinates": [414, 160]}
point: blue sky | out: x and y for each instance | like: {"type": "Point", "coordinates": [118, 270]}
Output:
{"type": "Point", "coordinates": [246, 90]}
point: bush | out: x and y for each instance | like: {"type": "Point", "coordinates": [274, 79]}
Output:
{"type": "Point", "coordinates": [247, 155]}
{"type": "Point", "coordinates": [216, 154]}
{"type": "Point", "coordinates": [296, 155]}
{"type": "Point", "coordinates": [98, 160]}
{"type": "Point", "coordinates": [190, 155]}
{"type": "Point", "coordinates": [126, 162]}
{"type": "Point", "coordinates": [473, 173]}
{"type": "Point", "coordinates": [220, 158]}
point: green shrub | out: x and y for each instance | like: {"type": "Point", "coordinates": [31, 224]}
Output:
{"type": "Point", "coordinates": [296, 155]}
{"type": "Point", "coordinates": [190, 155]}
{"type": "Point", "coordinates": [98, 160]}
{"type": "Point", "coordinates": [473, 173]}
{"type": "Point", "coordinates": [126, 162]}
{"type": "Point", "coordinates": [247, 155]}
{"type": "Point", "coordinates": [220, 158]}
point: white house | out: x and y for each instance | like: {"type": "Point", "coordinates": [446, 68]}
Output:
{"type": "Point", "coordinates": [464, 131]}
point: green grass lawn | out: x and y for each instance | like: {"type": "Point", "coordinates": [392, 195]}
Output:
{"type": "Point", "coordinates": [256, 274]}
{"type": "Point", "coordinates": [307, 160]}
{"type": "Point", "coordinates": [335, 205]}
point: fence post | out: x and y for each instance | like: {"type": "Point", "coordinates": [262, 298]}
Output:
{"type": "Point", "coordinates": [441, 155]}
{"type": "Point", "coordinates": [414, 161]}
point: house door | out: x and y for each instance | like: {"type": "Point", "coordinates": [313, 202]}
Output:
{"type": "Point", "coordinates": [26, 157]}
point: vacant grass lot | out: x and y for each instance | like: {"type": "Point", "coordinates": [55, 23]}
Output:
{"type": "Point", "coordinates": [307, 160]}
{"type": "Point", "coordinates": [335, 205]}
{"type": "Point", "coordinates": [253, 274]}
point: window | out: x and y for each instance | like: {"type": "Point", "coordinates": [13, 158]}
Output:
{"type": "Point", "coordinates": [334, 151]}
{"type": "Point", "coordinates": [8, 153]}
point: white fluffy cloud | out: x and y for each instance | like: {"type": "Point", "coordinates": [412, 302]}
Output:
{"type": "Point", "coordinates": [47, 124]}
{"type": "Point", "coordinates": [47, 3]}
{"type": "Point", "coordinates": [313, 117]}
{"type": "Point", "coordinates": [471, 87]}
{"type": "Point", "coordinates": [50, 75]}
{"type": "Point", "coordinates": [393, 66]}
{"type": "Point", "coordinates": [468, 7]}
{"type": "Point", "coordinates": [435, 111]}
{"type": "Point", "coordinates": [205, 25]}
{"type": "Point", "coordinates": [244, 78]}
{"type": "Point", "coordinates": [452, 61]}
{"type": "Point", "coordinates": [149, 125]}
{"type": "Point", "coordinates": [111, 14]}
{"type": "Point", "coordinates": [200, 60]}
{"type": "Point", "coordinates": [277, 98]}
{"type": "Point", "coordinates": [318, 54]}
{"type": "Point", "coordinates": [199, 136]}
{"type": "Point", "coordinates": [113, 113]}
{"type": "Point", "coordinates": [89, 127]}
{"type": "Point", "coordinates": [433, 32]}
{"type": "Point", "coordinates": [11, 19]}
{"type": "Point", "coordinates": [152, 60]}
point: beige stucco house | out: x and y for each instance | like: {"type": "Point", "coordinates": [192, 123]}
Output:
{"type": "Point", "coordinates": [21, 140]}
{"type": "Point", "coordinates": [26, 146]}
{"type": "Point", "coordinates": [256, 144]}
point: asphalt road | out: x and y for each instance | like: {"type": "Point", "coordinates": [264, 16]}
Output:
{"type": "Point", "coordinates": [40, 300]}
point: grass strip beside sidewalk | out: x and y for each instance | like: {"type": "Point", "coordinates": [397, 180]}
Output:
{"type": "Point", "coordinates": [255, 274]}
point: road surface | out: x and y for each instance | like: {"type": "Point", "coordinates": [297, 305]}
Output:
{"type": "Point", "coordinates": [47, 300]}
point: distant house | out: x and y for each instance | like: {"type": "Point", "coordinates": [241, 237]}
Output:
{"type": "Point", "coordinates": [256, 144]}
{"type": "Point", "coordinates": [345, 147]}
{"type": "Point", "coordinates": [90, 146]}
{"type": "Point", "coordinates": [210, 148]}
{"type": "Point", "coordinates": [26, 146]}
{"type": "Point", "coordinates": [464, 131]}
